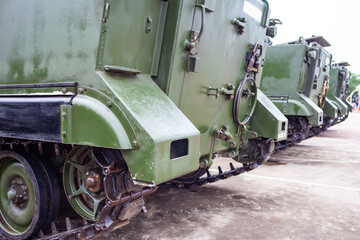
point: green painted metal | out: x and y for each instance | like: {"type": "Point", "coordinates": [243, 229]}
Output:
{"type": "Point", "coordinates": [339, 78]}
{"type": "Point", "coordinates": [331, 108]}
{"type": "Point", "coordinates": [348, 104]}
{"type": "Point", "coordinates": [268, 121]}
{"type": "Point", "coordinates": [138, 89]}
{"type": "Point", "coordinates": [79, 164]}
{"type": "Point", "coordinates": [17, 220]}
{"type": "Point", "coordinates": [94, 120]}
{"type": "Point", "coordinates": [288, 80]}
{"type": "Point", "coordinates": [220, 60]}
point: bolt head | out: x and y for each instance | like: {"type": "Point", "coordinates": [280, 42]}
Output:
{"type": "Point", "coordinates": [11, 194]}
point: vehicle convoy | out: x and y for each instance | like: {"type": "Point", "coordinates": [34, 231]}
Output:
{"type": "Point", "coordinates": [338, 88]}
{"type": "Point", "coordinates": [296, 79]}
{"type": "Point", "coordinates": [103, 100]}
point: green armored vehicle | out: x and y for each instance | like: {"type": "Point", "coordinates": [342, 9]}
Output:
{"type": "Point", "coordinates": [103, 100]}
{"type": "Point", "coordinates": [296, 78]}
{"type": "Point", "coordinates": [338, 87]}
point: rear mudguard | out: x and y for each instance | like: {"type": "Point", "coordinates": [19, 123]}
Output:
{"type": "Point", "coordinates": [300, 106]}
{"type": "Point", "coordinates": [267, 121]}
{"type": "Point", "coordinates": [330, 109]}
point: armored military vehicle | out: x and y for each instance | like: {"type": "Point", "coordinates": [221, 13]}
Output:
{"type": "Point", "coordinates": [102, 101]}
{"type": "Point", "coordinates": [338, 88]}
{"type": "Point", "coordinates": [296, 78]}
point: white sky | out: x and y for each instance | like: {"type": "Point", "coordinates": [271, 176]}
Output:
{"type": "Point", "coordinates": [337, 21]}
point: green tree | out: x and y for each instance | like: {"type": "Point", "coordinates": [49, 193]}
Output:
{"type": "Point", "coordinates": [354, 82]}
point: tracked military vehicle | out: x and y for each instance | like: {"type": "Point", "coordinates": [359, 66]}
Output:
{"type": "Point", "coordinates": [102, 101]}
{"type": "Point", "coordinates": [339, 85]}
{"type": "Point", "coordinates": [296, 78]}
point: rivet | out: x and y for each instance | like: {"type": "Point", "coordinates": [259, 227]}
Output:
{"type": "Point", "coordinates": [134, 143]}
{"type": "Point", "coordinates": [63, 134]}
{"type": "Point", "coordinates": [109, 103]}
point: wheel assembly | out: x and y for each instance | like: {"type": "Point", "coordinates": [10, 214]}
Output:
{"type": "Point", "coordinates": [83, 183]}
{"type": "Point", "coordinates": [23, 196]}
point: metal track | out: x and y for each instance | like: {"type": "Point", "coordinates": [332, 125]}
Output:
{"type": "Point", "coordinates": [82, 229]}
{"type": "Point", "coordinates": [227, 174]}
{"type": "Point", "coordinates": [214, 178]}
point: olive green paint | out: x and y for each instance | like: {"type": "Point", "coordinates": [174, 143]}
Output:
{"type": "Point", "coordinates": [285, 80]}
{"type": "Point", "coordinates": [268, 121]}
{"type": "Point", "coordinates": [339, 77]}
{"type": "Point", "coordinates": [142, 113]}
{"type": "Point", "coordinates": [330, 109]}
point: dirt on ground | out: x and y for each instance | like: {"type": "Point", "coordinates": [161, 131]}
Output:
{"type": "Point", "coordinates": [308, 191]}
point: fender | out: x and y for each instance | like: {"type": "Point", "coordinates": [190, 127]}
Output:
{"type": "Point", "coordinates": [94, 122]}
{"type": "Point", "coordinates": [302, 106]}
{"type": "Point", "coordinates": [267, 120]}
{"type": "Point", "coordinates": [330, 109]}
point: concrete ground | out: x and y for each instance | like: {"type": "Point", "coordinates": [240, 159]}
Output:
{"type": "Point", "coordinates": [309, 191]}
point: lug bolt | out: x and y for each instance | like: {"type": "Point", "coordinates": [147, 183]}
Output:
{"type": "Point", "coordinates": [11, 194]}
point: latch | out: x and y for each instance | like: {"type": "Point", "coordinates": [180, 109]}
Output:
{"type": "Point", "coordinates": [148, 24]}
{"type": "Point", "coordinates": [223, 134]}
{"type": "Point", "coordinates": [213, 92]}
{"type": "Point", "coordinates": [247, 93]}
{"type": "Point", "coordinates": [271, 31]}
{"type": "Point", "coordinates": [228, 91]}
{"type": "Point", "coordinates": [191, 44]}
{"type": "Point", "coordinates": [239, 23]}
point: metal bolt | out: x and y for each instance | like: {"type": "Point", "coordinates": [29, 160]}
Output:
{"type": "Point", "coordinates": [134, 143]}
{"type": "Point", "coordinates": [90, 182]}
{"type": "Point", "coordinates": [11, 194]}
{"type": "Point", "coordinates": [109, 103]}
{"type": "Point", "coordinates": [63, 115]}
{"type": "Point", "coordinates": [106, 171]}
{"type": "Point", "coordinates": [81, 90]}
{"type": "Point", "coordinates": [63, 134]}
{"type": "Point", "coordinates": [108, 202]}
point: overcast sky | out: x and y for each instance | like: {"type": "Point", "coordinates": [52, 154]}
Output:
{"type": "Point", "coordinates": [337, 21]}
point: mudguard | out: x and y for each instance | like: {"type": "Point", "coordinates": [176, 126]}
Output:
{"type": "Point", "coordinates": [89, 122]}
{"type": "Point", "coordinates": [330, 109]}
{"type": "Point", "coordinates": [267, 120]}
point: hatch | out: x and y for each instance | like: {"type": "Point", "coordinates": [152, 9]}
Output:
{"type": "Point", "coordinates": [133, 35]}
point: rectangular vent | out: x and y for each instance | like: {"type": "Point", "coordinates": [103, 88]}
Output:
{"type": "Point", "coordinates": [179, 148]}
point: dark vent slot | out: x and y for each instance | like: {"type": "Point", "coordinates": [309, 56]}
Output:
{"type": "Point", "coordinates": [179, 148]}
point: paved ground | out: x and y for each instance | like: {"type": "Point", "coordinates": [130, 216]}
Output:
{"type": "Point", "coordinates": [310, 191]}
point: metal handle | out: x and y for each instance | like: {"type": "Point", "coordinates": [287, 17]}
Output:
{"type": "Point", "coordinates": [191, 44]}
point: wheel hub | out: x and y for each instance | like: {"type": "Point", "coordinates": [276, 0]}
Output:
{"type": "Point", "coordinates": [93, 181]}
{"type": "Point", "coordinates": [17, 193]}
